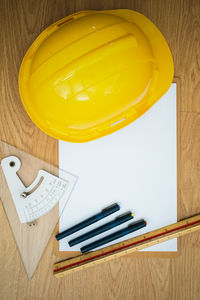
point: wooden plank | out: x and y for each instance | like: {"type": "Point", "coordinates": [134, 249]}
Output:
{"type": "Point", "coordinates": [31, 241]}
{"type": "Point", "coordinates": [139, 278]}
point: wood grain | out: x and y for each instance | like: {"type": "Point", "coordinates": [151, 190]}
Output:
{"type": "Point", "coordinates": [130, 278]}
{"type": "Point", "coordinates": [31, 241]}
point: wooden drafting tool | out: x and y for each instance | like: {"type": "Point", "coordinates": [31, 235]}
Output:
{"type": "Point", "coordinates": [90, 259]}
{"type": "Point", "coordinates": [31, 204]}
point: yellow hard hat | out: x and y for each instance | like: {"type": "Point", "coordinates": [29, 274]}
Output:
{"type": "Point", "coordinates": [94, 72]}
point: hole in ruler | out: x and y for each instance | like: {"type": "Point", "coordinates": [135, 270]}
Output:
{"type": "Point", "coordinates": [12, 164]}
{"type": "Point", "coordinates": [35, 187]}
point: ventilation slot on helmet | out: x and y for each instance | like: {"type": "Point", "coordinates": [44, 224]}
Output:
{"type": "Point", "coordinates": [60, 24]}
{"type": "Point", "coordinates": [117, 122]}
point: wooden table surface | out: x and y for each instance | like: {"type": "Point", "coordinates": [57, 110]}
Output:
{"type": "Point", "coordinates": [125, 278]}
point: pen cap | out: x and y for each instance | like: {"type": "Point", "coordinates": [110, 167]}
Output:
{"type": "Point", "coordinates": [110, 209]}
{"type": "Point", "coordinates": [137, 225]}
{"type": "Point", "coordinates": [125, 217]}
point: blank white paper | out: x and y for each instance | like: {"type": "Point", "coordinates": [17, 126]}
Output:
{"type": "Point", "coordinates": [135, 167]}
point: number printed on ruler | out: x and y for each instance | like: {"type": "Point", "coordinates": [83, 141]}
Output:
{"type": "Point", "coordinates": [43, 200]}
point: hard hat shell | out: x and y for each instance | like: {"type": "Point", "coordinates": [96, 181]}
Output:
{"type": "Point", "coordinates": [94, 72]}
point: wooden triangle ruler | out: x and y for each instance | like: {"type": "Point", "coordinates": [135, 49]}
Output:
{"type": "Point", "coordinates": [30, 190]}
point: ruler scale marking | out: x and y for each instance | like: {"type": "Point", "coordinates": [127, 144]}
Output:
{"type": "Point", "coordinates": [134, 244]}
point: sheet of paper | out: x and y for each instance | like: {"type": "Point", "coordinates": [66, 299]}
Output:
{"type": "Point", "coordinates": [135, 167]}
